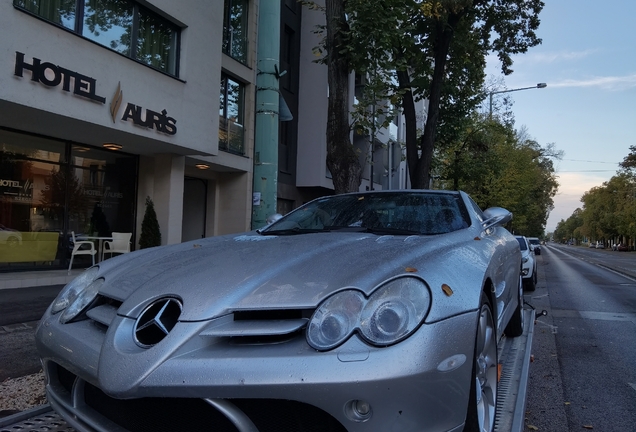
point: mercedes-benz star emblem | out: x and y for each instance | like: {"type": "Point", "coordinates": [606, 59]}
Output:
{"type": "Point", "coordinates": [156, 321]}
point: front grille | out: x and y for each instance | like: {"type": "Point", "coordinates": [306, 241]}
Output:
{"type": "Point", "coordinates": [186, 415]}
{"type": "Point", "coordinates": [273, 415]}
{"type": "Point", "coordinates": [158, 414]}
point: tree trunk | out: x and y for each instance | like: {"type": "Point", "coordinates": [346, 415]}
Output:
{"type": "Point", "coordinates": [410, 121]}
{"type": "Point", "coordinates": [420, 175]}
{"type": "Point", "coordinates": [342, 159]}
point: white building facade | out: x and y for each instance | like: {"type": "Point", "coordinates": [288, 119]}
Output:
{"type": "Point", "coordinates": [102, 108]}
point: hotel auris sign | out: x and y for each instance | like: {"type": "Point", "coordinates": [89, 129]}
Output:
{"type": "Point", "coordinates": [52, 75]}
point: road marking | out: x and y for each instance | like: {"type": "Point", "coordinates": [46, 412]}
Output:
{"type": "Point", "coordinates": [632, 385]}
{"type": "Point", "coordinates": [593, 315]}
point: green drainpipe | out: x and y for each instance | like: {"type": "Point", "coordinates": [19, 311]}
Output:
{"type": "Point", "coordinates": [267, 114]}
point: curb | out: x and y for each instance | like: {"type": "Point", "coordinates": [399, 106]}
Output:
{"type": "Point", "coordinates": [31, 325]}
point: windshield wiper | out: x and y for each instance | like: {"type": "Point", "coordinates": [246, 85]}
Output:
{"type": "Point", "coordinates": [293, 231]}
{"type": "Point", "coordinates": [393, 231]}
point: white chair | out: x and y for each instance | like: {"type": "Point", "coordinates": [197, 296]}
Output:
{"type": "Point", "coordinates": [119, 244]}
{"type": "Point", "coordinates": [77, 244]}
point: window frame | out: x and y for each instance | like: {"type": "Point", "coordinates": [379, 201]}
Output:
{"type": "Point", "coordinates": [138, 11]}
{"type": "Point", "coordinates": [228, 31]}
{"type": "Point", "coordinates": [223, 112]}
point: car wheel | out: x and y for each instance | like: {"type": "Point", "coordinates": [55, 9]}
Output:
{"type": "Point", "coordinates": [515, 325]}
{"type": "Point", "coordinates": [482, 402]}
{"type": "Point", "coordinates": [535, 278]}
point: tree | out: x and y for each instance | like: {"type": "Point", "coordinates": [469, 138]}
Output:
{"type": "Point", "coordinates": [150, 232]}
{"type": "Point", "coordinates": [435, 49]}
{"type": "Point", "coordinates": [500, 166]}
{"type": "Point", "coordinates": [342, 159]}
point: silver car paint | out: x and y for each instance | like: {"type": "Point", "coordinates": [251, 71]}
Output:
{"type": "Point", "coordinates": [216, 276]}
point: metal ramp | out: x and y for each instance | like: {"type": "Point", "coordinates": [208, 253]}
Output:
{"type": "Point", "coordinates": [514, 355]}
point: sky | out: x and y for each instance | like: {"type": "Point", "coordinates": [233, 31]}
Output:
{"type": "Point", "coordinates": [588, 109]}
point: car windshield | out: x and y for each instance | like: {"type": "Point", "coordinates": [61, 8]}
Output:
{"type": "Point", "coordinates": [533, 241]}
{"type": "Point", "coordinates": [522, 243]}
{"type": "Point", "coordinates": [426, 213]}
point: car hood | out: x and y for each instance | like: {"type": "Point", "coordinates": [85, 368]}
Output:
{"type": "Point", "coordinates": [249, 271]}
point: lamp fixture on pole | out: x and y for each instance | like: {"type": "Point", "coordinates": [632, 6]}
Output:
{"type": "Point", "coordinates": [540, 85]}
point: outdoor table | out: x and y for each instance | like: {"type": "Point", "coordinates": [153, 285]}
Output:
{"type": "Point", "coordinates": [100, 241]}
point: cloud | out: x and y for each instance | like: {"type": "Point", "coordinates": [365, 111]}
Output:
{"type": "Point", "coordinates": [607, 83]}
{"type": "Point", "coordinates": [551, 57]}
{"type": "Point", "coordinates": [543, 57]}
{"type": "Point", "coordinates": [573, 183]}
{"type": "Point", "coordinates": [572, 186]}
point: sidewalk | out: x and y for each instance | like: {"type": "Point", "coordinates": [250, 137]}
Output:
{"type": "Point", "coordinates": [37, 278]}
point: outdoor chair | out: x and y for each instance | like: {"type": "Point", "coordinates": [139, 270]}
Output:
{"type": "Point", "coordinates": [120, 244]}
{"type": "Point", "coordinates": [77, 249]}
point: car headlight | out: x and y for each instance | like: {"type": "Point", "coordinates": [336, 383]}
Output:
{"type": "Point", "coordinates": [70, 292]}
{"type": "Point", "coordinates": [83, 299]}
{"type": "Point", "coordinates": [389, 315]}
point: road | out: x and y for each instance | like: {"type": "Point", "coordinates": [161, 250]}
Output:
{"type": "Point", "coordinates": [20, 309]}
{"type": "Point", "coordinates": [584, 370]}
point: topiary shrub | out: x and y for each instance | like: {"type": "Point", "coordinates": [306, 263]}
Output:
{"type": "Point", "coordinates": [150, 232]}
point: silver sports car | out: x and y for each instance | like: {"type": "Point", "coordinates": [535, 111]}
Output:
{"type": "Point", "coordinates": [376, 311]}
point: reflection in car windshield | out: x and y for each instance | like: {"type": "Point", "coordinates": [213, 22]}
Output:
{"type": "Point", "coordinates": [380, 213]}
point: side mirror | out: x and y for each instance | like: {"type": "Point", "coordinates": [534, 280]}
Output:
{"type": "Point", "coordinates": [496, 216]}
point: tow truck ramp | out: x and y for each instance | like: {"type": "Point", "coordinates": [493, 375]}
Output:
{"type": "Point", "coordinates": [514, 361]}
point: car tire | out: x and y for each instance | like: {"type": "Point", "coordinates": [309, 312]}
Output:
{"type": "Point", "coordinates": [482, 402]}
{"type": "Point", "coordinates": [515, 325]}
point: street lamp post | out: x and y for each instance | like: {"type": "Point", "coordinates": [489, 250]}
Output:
{"type": "Point", "coordinates": [540, 85]}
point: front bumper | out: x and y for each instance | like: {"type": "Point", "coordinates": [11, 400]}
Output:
{"type": "Point", "coordinates": [421, 383]}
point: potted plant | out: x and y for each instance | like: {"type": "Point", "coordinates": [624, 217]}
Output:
{"type": "Point", "coordinates": [150, 232]}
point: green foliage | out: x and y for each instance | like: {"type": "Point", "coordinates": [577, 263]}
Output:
{"type": "Point", "coordinates": [150, 232]}
{"type": "Point", "coordinates": [499, 166]}
{"type": "Point", "coordinates": [433, 49]}
{"type": "Point", "coordinates": [609, 210]}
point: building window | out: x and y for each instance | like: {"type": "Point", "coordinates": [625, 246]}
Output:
{"type": "Point", "coordinates": [231, 125]}
{"type": "Point", "coordinates": [121, 25]}
{"type": "Point", "coordinates": [235, 29]}
{"type": "Point", "coordinates": [50, 188]}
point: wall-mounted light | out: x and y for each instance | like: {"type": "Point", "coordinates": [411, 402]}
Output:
{"type": "Point", "coordinates": [81, 149]}
{"type": "Point", "coordinates": [112, 146]}
{"type": "Point", "coordinates": [202, 166]}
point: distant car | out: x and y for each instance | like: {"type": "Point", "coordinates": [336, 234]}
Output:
{"type": "Point", "coordinates": [592, 245]}
{"type": "Point", "coordinates": [528, 264]}
{"type": "Point", "coordinates": [10, 237]}
{"type": "Point", "coordinates": [376, 311]}
{"type": "Point", "coordinates": [536, 244]}
{"type": "Point", "coordinates": [622, 247]}
{"type": "Point", "coordinates": [599, 245]}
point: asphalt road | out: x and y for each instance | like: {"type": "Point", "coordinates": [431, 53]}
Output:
{"type": "Point", "coordinates": [584, 372]}
{"type": "Point", "coordinates": [20, 310]}
{"type": "Point", "coordinates": [25, 304]}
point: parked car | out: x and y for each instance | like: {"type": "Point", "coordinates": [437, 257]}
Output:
{"type": "Point", "coordinates": [622, 247]}
{"type": "Point", "coordinates": [10, 237]}
{"type": "Point", "coordinates": [599, 245]}
{"type": "Point", "coordinates": [528, 264]}
{"type": "Point", "coordinates": [357, 312]}
{"type": "Point", "coordinates": [536, 244]}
